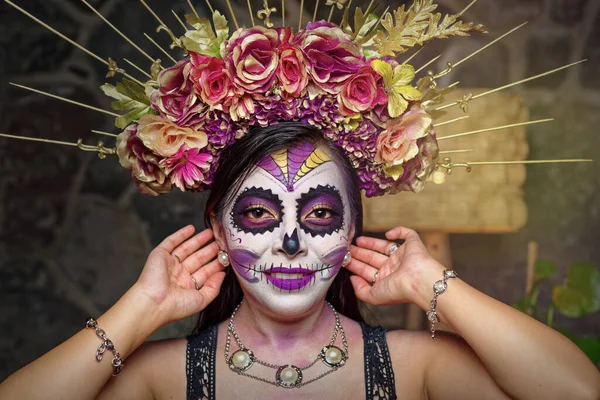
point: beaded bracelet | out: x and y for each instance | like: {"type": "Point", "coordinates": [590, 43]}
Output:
{"type": "Point", "coordinates": [107, 344]}
{"type": "Point", "coordinates": [439, 287]}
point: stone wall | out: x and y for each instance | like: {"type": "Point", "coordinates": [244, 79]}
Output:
{"type": "Point", "coordinates": [74, 232]}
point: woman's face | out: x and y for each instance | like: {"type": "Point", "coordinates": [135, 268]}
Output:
{"type": "Point", "coordinates": [288, 228]}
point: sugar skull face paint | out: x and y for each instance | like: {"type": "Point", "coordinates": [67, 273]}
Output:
{"type": "Point", "coordinates": [288, 228]}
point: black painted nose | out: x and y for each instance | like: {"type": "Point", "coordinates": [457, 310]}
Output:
{"type": "Point", "coordinates": [291, 244]}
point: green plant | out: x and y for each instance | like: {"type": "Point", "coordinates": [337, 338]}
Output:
{"type": "Point", "coordinates": [579, 295]}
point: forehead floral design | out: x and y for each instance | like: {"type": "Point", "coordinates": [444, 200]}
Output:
{"type": "Point", "coordinates": [344, 79]}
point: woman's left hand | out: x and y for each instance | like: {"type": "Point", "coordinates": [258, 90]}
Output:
{"type": "Point", "coordinates": [400, 275]}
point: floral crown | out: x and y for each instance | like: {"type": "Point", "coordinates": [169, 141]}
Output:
{"type": "Point", "coordinates": [343, 79]}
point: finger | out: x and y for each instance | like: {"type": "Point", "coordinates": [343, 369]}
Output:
{"type": "Point", "coordinates": [361, 269]}
{"type": "Point", "coordinates": [362, 289]}
{"type": "Point", "coordinates": [368, 256]}
{"type": "Point", "coordinates": [176, 238]}
{"type": "Point", "coordinates": [379, 245]}
{"type": "Point", "coordinates": [193, 244]}
{"type": "Point", "coordinates": [203, 274]}
{"type": "Point", "coordinates": [198, 259]}
{"type": "Point", "coordinates": [211, 288]}
{"type": "Point", "coordinates": [402, 233]}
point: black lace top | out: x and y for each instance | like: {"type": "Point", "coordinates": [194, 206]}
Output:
{"type": "Point", "coordinates": [201, 360]}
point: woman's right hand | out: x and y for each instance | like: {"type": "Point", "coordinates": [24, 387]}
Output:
{"type": "Point", "coordinates": [167, 280]}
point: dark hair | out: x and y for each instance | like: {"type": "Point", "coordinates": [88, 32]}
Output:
{"type": "Point", "coordinates": [236, 162]}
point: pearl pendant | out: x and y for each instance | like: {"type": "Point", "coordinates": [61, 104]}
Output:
{"type": "Point", "coordinates": [347, 259]}
{"type": "Point", "coordinates": [241, 360]}
{"type": "Point", "coordinates": [288, 376]}
{"type": "Point", "coordinates": [224, 258]}
{"type": "Point", "coordinates": [333, 356]}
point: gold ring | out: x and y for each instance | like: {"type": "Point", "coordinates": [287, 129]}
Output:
{"type": "Point", "coordinates": [374, 278]}
{"type": "Point", "coordinates": [195, 283]}
{"type": "Point", "coordinates": [177, 257]}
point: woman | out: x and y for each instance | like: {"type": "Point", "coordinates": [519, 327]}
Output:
{"type": "Point", "coordinates": [286, 238]}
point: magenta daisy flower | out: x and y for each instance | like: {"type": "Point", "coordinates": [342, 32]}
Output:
{"type": "Point", "coordinates": [188, 168]}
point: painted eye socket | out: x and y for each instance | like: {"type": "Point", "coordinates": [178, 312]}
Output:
{"type": "Point", "coordinates": [256, 211]}
{"type": "Point", "coordinates": [321, 211]}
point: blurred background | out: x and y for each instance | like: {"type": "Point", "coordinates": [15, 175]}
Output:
{"type": "Point", "coordinates": [74, 232]}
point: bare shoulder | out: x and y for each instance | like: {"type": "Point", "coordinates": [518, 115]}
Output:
{"type": "Point", "coordinates": [156, 370]}
{"type": "Point", "coordinates": [446, 367]}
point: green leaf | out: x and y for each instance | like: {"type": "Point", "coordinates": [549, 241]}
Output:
{"type": "Point", "coordinates": [543, 269]}
{"type": "Point", "coordinates": [580, 295]}
{"type": "Point", "coordinates": [204, 39]}
{"type": "Point", "coordinates": [129, 97]}
{"type": "Point", "coordinates": [590, 346]}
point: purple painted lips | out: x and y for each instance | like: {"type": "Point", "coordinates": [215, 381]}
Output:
{"type": "Point", "coordinates": [289, 278]}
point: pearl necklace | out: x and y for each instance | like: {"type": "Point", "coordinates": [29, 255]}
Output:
{"type": "Point", "coordinates": [287, 375]}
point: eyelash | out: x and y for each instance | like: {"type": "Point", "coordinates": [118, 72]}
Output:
{"type": "Point", "coordinates": [259, 207]}
{"type": "Point", "coordinates": [320, 207]}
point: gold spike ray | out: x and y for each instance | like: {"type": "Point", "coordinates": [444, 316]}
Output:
{"type": "Point", "coordinates": [315, 12]}
{"type": "Point", "coordinates": [428, 64]}
{"type": "Point", "coordinates": [496, 128]}
{"type": "Point", "coordinates": [300, 18]}
{"type": "Point", "coordinates": [489, 44]}
{"type": "Point", "coordinates": [232, 14]}
{"type": "Point", "coordinates": [99, 148]}
{"type": "Point", "coordinates": [466, 8]}
{"type": "Point", "coordinates": [212, 10]}
{"type": "Point", "coordinates": [104, 133]}
{"type": "Point", "coordinates": [65, 99]}
{"type": "Point", "coordinates": [111, 66]}
{"type": "Point", "coordinates": [450, 121]}
{"type": "Point", "coordinates": [159, 47]}
{"type": "Point", "coordinates": [512, 84]}
{"type": "Point", "coordinates": [282, 12]}
{"type": "Point", "coordinates": [192, 8]}
{"type": "Point", "coordinates": [138, 68]}
{"type": "Point", "coordinates": [179, 20]}
{"type": "Point", "coordinates": [117, 30]}
{"type": "Point", "coordinates": [574, 160]}
{"type": "Point", "coordinates": [456, 151]}
{"type": "Point", "coordinates": [250, 12]}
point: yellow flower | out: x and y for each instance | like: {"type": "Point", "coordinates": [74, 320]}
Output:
{"type": "Point", "coordinates": [397, 85]}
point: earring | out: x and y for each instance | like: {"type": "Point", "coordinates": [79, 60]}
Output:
{"type": "Point", "coordinates": [347, 258]}
{"type": "Point", "coordinates": [224, 258]}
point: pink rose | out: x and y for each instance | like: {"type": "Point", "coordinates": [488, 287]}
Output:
{"type": "Point", "coordinates": [142, 162]}
{"type": "Point", "coordinates": [362, 92]}
{"type": "Point", "coordinates": [174, 99]}
{"type": "Point", "coordinates": [330, 56]}
{"type": "Point", "coordinates": [398, 143]}
{"type": "Point", "coordinates": [292, 73]}
{"type": "Point", "coordinates": [252, 59]}
{"type": "Point", "coordinates": [165, 138]}
{"type": "Point", "coordinates": [212, 81]}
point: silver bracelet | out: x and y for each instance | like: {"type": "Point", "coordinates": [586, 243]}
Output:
{"type": "Point", "coordinates": [439, 287]}
{"type": "Point", "coordinates": [107, 344]}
